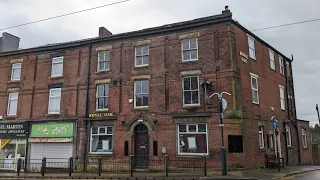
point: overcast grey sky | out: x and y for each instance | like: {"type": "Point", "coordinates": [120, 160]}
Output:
{"type": "Point", "coordinates": [300, 40]}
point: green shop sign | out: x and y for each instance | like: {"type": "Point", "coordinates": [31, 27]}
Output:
{"type": "Point", "coordinates": [52, 130]}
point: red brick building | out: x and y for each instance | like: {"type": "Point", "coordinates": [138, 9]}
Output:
{"type": "Point", "coordinates": [147, 93]}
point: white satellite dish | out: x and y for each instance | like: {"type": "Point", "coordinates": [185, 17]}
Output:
{"type": "Point", "coordinates": [224, 104]}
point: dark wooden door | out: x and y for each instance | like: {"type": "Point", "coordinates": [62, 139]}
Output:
{"type": "Point", "coordinates": [141, 147]}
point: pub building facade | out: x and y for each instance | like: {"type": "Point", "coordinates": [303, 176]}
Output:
{"type": "Point", "coordinates": [146, 93]}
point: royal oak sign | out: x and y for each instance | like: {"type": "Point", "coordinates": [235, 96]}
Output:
{"type": "Point", "coordinates": [13, 130]}
{"type": "Point", "coordinates": [97, 115]}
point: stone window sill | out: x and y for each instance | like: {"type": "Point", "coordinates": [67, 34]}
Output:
{"type": "Point", "coordinates": [102, 72]}
{"type": "Point", "coordinates": [52, 115]}
{"type": "Point", "coordinates": [11, 117]}
{"type": "Point", "coordinates": [290, 147]}
{"type": "Point", "coordinates": [14, 81]}
{"type": "Point", "coordinates": [56, 77]}
{"type": "Point", "coordinates": [191, 107]}
{"type": "Point", "coordinates": [141, 108]}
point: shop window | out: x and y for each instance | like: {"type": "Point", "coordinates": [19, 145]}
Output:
{"type": "Point", "coordinates": [101, 140]}
{"type": "Point", "coordinates": [192, 138]}
{"type": "Point", "coordinates": [235, 143]}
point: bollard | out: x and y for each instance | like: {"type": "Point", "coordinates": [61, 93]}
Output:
{"type": "Point", "coordinates": [131, 165]}
{"type": "Point", "coordinates": [166, 162]}
{"type": "Point", "coordinates": [19, 167]}
{"type": "Point", "coordinates": [43, 167]}
{"type": "Point", "coordinates": [99, 166]}
{"type": "Point", "coordinates": [205, 165]}
{"type": "Point", "coordinates": [70, 165]}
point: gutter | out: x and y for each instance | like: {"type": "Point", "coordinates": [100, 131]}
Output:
{"type": "Point", "coordinates": [288, 110]}
{"type": "Point", "coordinates": [295, 112]}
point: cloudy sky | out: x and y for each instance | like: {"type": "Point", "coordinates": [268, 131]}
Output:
{"type": "Point", "coordinates": [300, 40]}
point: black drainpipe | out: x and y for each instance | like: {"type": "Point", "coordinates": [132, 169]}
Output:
{"type": "Point", "coordinates": [87, 111]}
{"type": "Point", "coordinates": [294, 109]}
{"type": "Point", "coordinates": [287, 107]}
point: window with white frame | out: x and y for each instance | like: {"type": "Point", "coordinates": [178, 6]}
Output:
{"type": "Point", "coordinates": [12, 103]}
{"type": "Point", "coordinates": [101, 139]}
{"type": "Point", "coordinates": [304, 138]}
{"type": "Point", "coordinates": [142, 56]}
{"type": "Point", "coordinates": [271, 141]}
{"type": "Point", "coordinates": [254, 88]}
{"type": "Point", "coordinates": [57, 67]}
{"type": "Point", "coordinates": [102, 97]}
{"type": "Point", "coordinates": [192, 138]}
{"type": "Point", "coordinates": [141, 93]}
{"type": "Point", "coordinates": [281, 63]}
{"type": "Point", "coordinates": [54, 101]}
{"type": "Point", "coordinates": [190, 49]}
{"type": "Point", "coordinates": [288, 134]}
{"type": "Point", "coordinates": [252, 52]}
{"type": "Point", "coordinates": [16, 72]}
{"type": "Point", "coordinates": [103, 61]}
{"type": "Point", "coordinates": [191, 90]}
{"type": "Point", "coordinates": [272, 62]}
{"type": "Point", "coordinates": [261, 137]}
{"type": "Point", "coordinates": [282, 100]}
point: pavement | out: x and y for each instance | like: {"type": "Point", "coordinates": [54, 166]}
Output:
{"type": "Point", "coordinates": [289, 172]}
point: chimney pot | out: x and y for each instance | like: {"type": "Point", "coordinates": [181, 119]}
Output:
{"type": "Point", "coordinates": [104, 32]}
{"type": "Point", "coordinates": [226, 8]}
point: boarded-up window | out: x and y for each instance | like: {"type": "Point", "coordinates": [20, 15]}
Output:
{"type": "Point", "coordinates": [235, 144]}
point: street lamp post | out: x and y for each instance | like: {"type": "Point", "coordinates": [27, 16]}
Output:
{"type": "Point", "coordinates": [222, 106]}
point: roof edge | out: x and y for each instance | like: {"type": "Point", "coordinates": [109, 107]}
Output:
{"type": "Point", "coordinates": [261, 40]}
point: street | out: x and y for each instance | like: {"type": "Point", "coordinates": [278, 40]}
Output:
{"type": "Point", "coordinates": [313, 175]}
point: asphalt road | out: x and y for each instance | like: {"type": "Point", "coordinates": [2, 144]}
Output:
{"type": "Point", "coordinates": [313, 175]}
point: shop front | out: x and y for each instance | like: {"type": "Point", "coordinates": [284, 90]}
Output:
{"type": "Point", "coordinates": [53, 141]}
{"type": "Point", "coordinates": [13, 144]}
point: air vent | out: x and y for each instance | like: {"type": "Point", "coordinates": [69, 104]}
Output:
{"type": "Point", "coordinates": [114, 82]}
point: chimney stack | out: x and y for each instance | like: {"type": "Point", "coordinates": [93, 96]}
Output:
{"type": "Point", "coordinates": [9, 42]}
{"type": "Point", "coordinates": [226, 10]}
{"type": "Point", "coordinates": [103, 32]}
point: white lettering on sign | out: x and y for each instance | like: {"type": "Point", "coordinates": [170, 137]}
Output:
{"type": "Point", "coordinates": [243, 55]}
{"type": "Point", "coordinates": [142, 146]}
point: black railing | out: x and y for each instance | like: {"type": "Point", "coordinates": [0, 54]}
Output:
{"type": "Point", "coordinates": [102, 166]}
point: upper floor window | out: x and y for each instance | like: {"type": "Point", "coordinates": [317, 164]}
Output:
{"type": "Point", "coordinates": [54, 101]}
{"type": "Point", "coordinates": [142, 56]}
{"type": "Point", "coordinates": [261, 137]}
{"type": "Point", "coordinates": [141, 93]}
{"type": "Point", "coordinates": [189, 49]}
{"type": "Point", "coordinates": [252, 52]}
{"type": "Point", "coordinates": [282, 100]}
{"type": "Point", "coordinates": [304, 138]}
{"type": "Point", "coordinates": [12, 103]}
{"type": "Point", "coordinates": [288, 134]}
{"type": "Point", "coordinates": [281, 63]}
{"type": "Point", "coordinates": [191, 90]}
{"type": "Point", "coordinates": [102, 97]}
{"type": "Point", "coordinates": [57, 67]}
{"type": "Point", "coordinates": [103, 61]}
{"type": "Point", "coordinates": [16, 72]}
{"type": "Point", "coordinates": [254, 88]}
{"type": "Point", "coordinates": [272, 62]}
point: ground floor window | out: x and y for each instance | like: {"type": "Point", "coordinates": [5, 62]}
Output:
{"type": "Point", "coordinates": [12, 150]}
{"type": "Point", "coordinates": [101, 139]}
{"type": "Point", "coordinates": [192, 139]}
